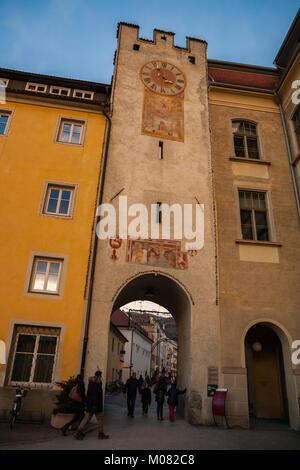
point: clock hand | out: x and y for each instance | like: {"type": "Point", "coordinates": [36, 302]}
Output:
{"type": "Point", "coordinates": [166, 80]}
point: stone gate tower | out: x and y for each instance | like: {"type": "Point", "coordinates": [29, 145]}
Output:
{"type": "Point", "coordinates": [160, 152]}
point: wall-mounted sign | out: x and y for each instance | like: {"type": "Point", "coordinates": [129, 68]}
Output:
{"type": "Point", "coordinates": [211, 389]}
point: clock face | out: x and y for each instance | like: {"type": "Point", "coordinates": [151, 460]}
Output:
{"type": "Point", "coordinates": [163, 78]}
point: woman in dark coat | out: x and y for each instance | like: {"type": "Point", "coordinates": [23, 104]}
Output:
{"type": "Point", "coordinates": [78, 406]}
{"type": "Point", "coordinates": [160, 391]}
{"type": "Point", "coordinates": [94, 406]}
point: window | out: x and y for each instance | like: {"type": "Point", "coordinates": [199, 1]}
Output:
{"type": "Point", "coordinates": [254, 215]}
{"type": "Point", "coordinates": [71, 132]}
{"type": "Point", "coordinates": [245, 139]}
{"type": "Point", "coordinates": [161, 150]}
{"type": "Point", "coordinates": [58, 200]}
{"type": "Point", "coordinates": [46, 275]}
{"type": "Point", "coordinates": [4, 122]}
{"type": "Point", "coordinates": [296, 122]}
{"type": "Point", "coordinates": [36, 87]}
{"type": "Point", "coordinates": [4, 82]}
{"type": "Point", "coordinates": [87, 95]}
{"type": "Point", "coordinates": [34, 354]}
{"type": "Point", "coordinates": [136, 47]}
{"type": "Point", "coordinates": [113, 344]}
{"type": "Point", "coordinates": [60, 91]}
{"type": "Point", "coordinates": [158, 216]}
{"type": "Point", "coordinates": [192, 59]}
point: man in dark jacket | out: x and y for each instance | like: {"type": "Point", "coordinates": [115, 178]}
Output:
{"type": "Point", "coordinates": [131, 387]}
{"type": "Point", "coordinates": [160, 391]}
{"type": "Point", "coordinates": [173, 393]}
{"type": "Point", "coordinates": [94, 406]}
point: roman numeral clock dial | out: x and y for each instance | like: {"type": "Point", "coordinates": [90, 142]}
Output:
{"type": "Point", "coordinates": [163, 78]}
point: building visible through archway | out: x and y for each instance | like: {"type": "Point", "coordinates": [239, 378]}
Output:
{"type": "Point", "coordinates": [167, 293]}
{"type": "Point", "coordinates": [143, 341]}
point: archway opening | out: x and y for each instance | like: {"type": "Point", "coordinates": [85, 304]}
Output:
{"type": "Point", "coordinates": [267, 396]}
{"type": "Point", "coordinates": [174, 301]}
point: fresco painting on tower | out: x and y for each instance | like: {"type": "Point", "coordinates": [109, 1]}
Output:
{"type": "Point", "coordinates": [163, 116]}
{"type": "Point", "coordinates": [162, 253]}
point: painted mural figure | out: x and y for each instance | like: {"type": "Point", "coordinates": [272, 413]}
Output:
{"type": "Point", "coordinates": [163, 116]}
{"type": "Point", "coordinates": [162, 253]}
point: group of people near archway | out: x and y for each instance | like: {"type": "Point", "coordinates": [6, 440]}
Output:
{"type": "Point", "coordinates": [162, 387]}
{"type": "Point", "coordinates": [85, 405]}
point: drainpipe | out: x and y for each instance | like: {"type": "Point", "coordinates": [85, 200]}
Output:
{"type": "Point", "coordinates": [92, 273]}
{"type": "Point", "coordinates": [287, 141]}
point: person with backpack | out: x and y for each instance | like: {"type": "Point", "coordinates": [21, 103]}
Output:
{"type": "Point", "coordinates": [77, 396]}
{"type": "Point", "coordinates": [160, 391]}
{"type": "Point", "coordinates": [146, 398]}
{"type": "Point", "coordinates": [172, 394]}
{"type": "Point", "coordinates": [94, 406]}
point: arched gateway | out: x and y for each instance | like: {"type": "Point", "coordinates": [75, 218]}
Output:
{"type": "Point", "coordinates": [167, 292]}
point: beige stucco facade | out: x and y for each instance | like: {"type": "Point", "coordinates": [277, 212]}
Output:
{"type": "Point", "coordinates": [258, 281]}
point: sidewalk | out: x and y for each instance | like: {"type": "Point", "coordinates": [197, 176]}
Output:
{"type": "Point", "coordinates": [147, 433]}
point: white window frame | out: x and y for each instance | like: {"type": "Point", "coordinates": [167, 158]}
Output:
{"type": "Point", "coordinates": [41, 255]}
{"type": "Point", "coordinates": [48, 185]}
{"type": "Point", "coordinates": [5, 81]}
{"type": "Point", "coordinates": [73, 122]}
{"type": "Point", "coordinates": [83, 94]}
{"type": "Point", "coordinates": [60, 189]}
{"type": "Point", "coordinates": [35, 355]}
{"type": "Point", "coordinates": [8, 112]}
{"type": "Point", "coordinates": [36, 85]}
{"type": "Point", "coordinates": [34, 272]}
{"type": "Point", "coordinates": [60, 89]}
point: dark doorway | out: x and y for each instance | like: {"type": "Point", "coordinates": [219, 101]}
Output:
{"type": "Point", "coordinates": [265, 371]}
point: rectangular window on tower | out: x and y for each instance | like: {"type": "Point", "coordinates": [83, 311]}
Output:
{"type": "Point", "coordinates": [254, 215]}
{"type": "Point", "coordinates": [160, 150]}
{"type": "Point", "coordinates": [158, 218]}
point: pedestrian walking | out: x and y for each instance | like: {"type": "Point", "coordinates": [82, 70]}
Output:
{"type": "Point", "coordinates": [146, 398]}
{"type": "Point", "coordinates": [94, 406]}
{"type": "Point", "coordinates": [131, 387]}
{"type": "Point", "coordinates": [172, 394]}
{"type": "Point", "coordinates": [141, 382]}
{"type": "Point", "coordinates": [77, 396]}
{"type": "Point", "coordinates": [160, 391]}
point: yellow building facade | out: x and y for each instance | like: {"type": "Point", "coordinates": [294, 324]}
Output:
{"type": "Point", "coordinates": [51, 141]}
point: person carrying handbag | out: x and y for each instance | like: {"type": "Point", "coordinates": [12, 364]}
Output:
{"type": "Point", "coordinates": [77, 396]}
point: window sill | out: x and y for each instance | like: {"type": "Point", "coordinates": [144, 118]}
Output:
{"type": "Point", "coordinates": [57, 216]}
{"type": "Point", "coordinates": [72, 144]}
{"type": "Point", "coordinates": [257, 243]}
{"type": "Point", "coordinates": [249, 160]}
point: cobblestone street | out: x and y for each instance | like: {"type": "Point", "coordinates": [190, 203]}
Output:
{"type": "Point", "coordinates": [149, 434]}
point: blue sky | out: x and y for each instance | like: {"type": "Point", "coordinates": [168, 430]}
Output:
{"type": "Point", "coordinates": [77, 38]}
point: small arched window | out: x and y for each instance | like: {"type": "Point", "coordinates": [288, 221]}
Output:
{"type": "Point", "coordinates": [296, 122]}
{"type": "Point", "coordinates": [245, 139]}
